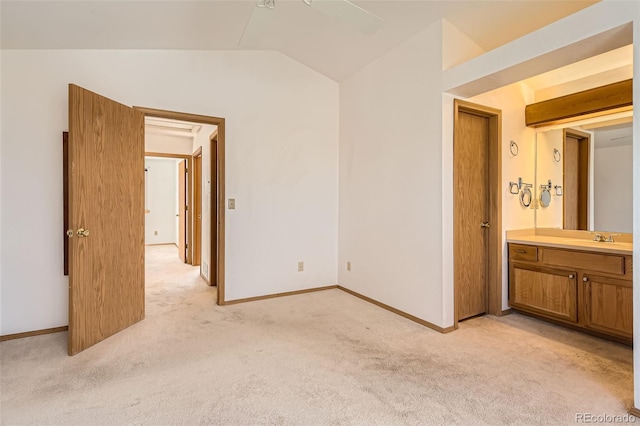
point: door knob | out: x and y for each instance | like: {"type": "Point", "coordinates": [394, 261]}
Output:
{"type": "Point", "coordinates": [485, 225]}
{"type": "Point", "coordinates": [69, 233]}
{"type": "Point", "coordinates": [83, 232]}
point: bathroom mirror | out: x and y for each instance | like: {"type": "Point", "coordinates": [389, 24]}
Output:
{"type": "Point", "coordinates": [545, 197]}
{"type": "Point", "coordinates": [591, 184]}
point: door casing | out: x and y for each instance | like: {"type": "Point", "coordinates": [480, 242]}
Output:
{"type": "Point", "coordinates": [196, 252]}
{"type": "Point", "coordinates": [494, 253]}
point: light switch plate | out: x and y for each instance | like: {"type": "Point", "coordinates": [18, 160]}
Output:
{"type": "Point", "coordinates": [232, 203]}
{"type": "Point", "coordinates": [300, 266]}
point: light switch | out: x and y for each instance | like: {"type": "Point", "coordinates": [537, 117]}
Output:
{"type": "Point", "coordinates": [232, 203]}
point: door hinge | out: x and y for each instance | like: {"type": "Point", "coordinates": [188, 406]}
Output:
{"type": "Point", "coordinates": [186, 208]}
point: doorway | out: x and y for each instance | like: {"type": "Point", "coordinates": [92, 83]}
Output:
{"type": "Point", "coordinates": [477, 211]}
{"type": "Point", "coordinates": [212, 194]}
{"type": "Point", "coordinates": [575, 211]}
{"type": "Point", "coordinates": [168, 190]}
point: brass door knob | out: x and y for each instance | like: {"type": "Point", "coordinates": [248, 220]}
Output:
{"type": "Point", "coordinates": [485, 225]}
{"type": "Point", "coordinates": [83, 232]}
{"type": "Point", "coordinates": [69, 233]}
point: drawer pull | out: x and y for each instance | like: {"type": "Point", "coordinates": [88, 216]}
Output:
{"type": "Point", "coordinates": [585, 279]}
{"type": "Point", "coordinates": [520, 251]}
{"type": "Point", "coordinates": [571, 276]}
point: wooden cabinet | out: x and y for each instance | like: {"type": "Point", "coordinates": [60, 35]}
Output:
{"type": "Point", "coordinates": [608, 305]}
{"type": "Point", "coordinates": [548, 292]}
{"type": "Point", "coordinates": [590, 291]}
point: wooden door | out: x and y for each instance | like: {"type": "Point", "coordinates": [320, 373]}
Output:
{"type": "Point", "coordinates": [471, 214]}
{"type": "Point", "coordinates": [197, 209]}
{"type": "Point", "coordinates": [106, 215]}
{"type": "Point", "coordinates": [576, 180]}
{"type": "Point", "coordinates": [182, 210]}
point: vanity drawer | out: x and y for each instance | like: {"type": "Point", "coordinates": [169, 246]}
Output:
{"type": "Point", "coordinates": [607, 263]}
{"type": "Point", "coordinates": [522, 252]}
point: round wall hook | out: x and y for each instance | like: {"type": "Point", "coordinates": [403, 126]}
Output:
{"type": "Point", "coordinates": [513, 147]}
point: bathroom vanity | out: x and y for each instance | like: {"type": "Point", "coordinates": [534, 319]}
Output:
{"type": "Point", "coordinates": [567, 278]}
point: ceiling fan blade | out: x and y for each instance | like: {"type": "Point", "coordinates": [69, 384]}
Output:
{"type": "Point", "coordinates": [348, 13]}
{"type": "Point", "coordinates": [256, 25]}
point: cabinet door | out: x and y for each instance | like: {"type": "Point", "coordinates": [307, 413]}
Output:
{"type": "Point", "coordinates": [608, 305]}
{"type": "Point", "coordinates": [548, 292]}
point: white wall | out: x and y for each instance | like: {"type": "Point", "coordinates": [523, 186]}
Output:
{"type": "Point", "coordinates": [281, 164]}
{"type": "Point", "coordinates": [208, 186]}
{"type": "Point", "coordinates": [613, 188]}
{"type": "Point", "coordinates": [511, 100]}
{"type": "Point", "coordinates": [161, 180]}
{"type": "Point", "coordinates": [390, 178]}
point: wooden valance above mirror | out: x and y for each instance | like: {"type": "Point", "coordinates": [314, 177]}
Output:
{"type": "Point", "coordinates": [616, 97]}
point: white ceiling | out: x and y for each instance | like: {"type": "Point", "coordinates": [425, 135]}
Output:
{"type": "Point", "coordinates": [163, 126]}
{"type": "Point", "coordinates": [618, 135]}
{"type": "Point", "coordinates": [308, 36]}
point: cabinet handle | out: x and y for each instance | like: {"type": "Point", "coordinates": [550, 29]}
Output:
{"type": "Point", "coordinates": [585, 279]}
{"type": "Point", "coordinates": [571, 276]}
{"type": "Point", "coordinates": [521, 251]}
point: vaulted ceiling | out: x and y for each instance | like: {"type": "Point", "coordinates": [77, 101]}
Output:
{"type": "Point", "coordinates": [323, 43]}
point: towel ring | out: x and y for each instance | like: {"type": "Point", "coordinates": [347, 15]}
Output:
{"type": "Point", "coordinates": [526, 197]}
{"type": "Point", "coordinates": [556, 155]}
{"type": "Point", "coordinates": [513, 147]}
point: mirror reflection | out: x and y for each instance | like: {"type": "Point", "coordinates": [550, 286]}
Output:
{"type": "Point", "coordinates": [584, 177]}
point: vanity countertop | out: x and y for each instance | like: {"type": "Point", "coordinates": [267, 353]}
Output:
{"type": "Point", "coordinates": [569, 242]}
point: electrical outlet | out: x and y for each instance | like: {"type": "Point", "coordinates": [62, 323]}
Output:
{"type": "Point", "coordinates": [300, 266]}
{"type": "Point", "coordinates": [232, 203]}
{"type": "Point", "coordinates": [155, 232]}
{"type": "Point", "coordinates": [349, 266]}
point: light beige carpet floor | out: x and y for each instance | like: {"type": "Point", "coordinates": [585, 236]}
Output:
{"type": "Point", "coordinates": [323, 358]}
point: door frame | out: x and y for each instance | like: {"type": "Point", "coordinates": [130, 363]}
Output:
{"type": "Point", "coordinates": [196, 252]}
{"type": "Point", "coordinates": [494, 252]}
{"type": "Point", "coordinates": [584, 158]}
{"type": "Point", "coordinates": [218, 196]}
{"type": "Point", "coordinates": [189, 194]}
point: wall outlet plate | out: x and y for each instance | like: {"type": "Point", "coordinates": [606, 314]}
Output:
{"type": "Point", "coordinates": [232, 203]}
{"type": "Point", "coordinates": [349, 266]}
{"type": "Point", "coordinates": [300, 266]}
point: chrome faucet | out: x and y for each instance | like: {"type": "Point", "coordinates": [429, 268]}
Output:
{"type": "Point", "coordinates": [610, 239]}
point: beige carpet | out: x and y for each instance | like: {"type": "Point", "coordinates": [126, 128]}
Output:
{"type": "Point", "coordinates": [323, 358]}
